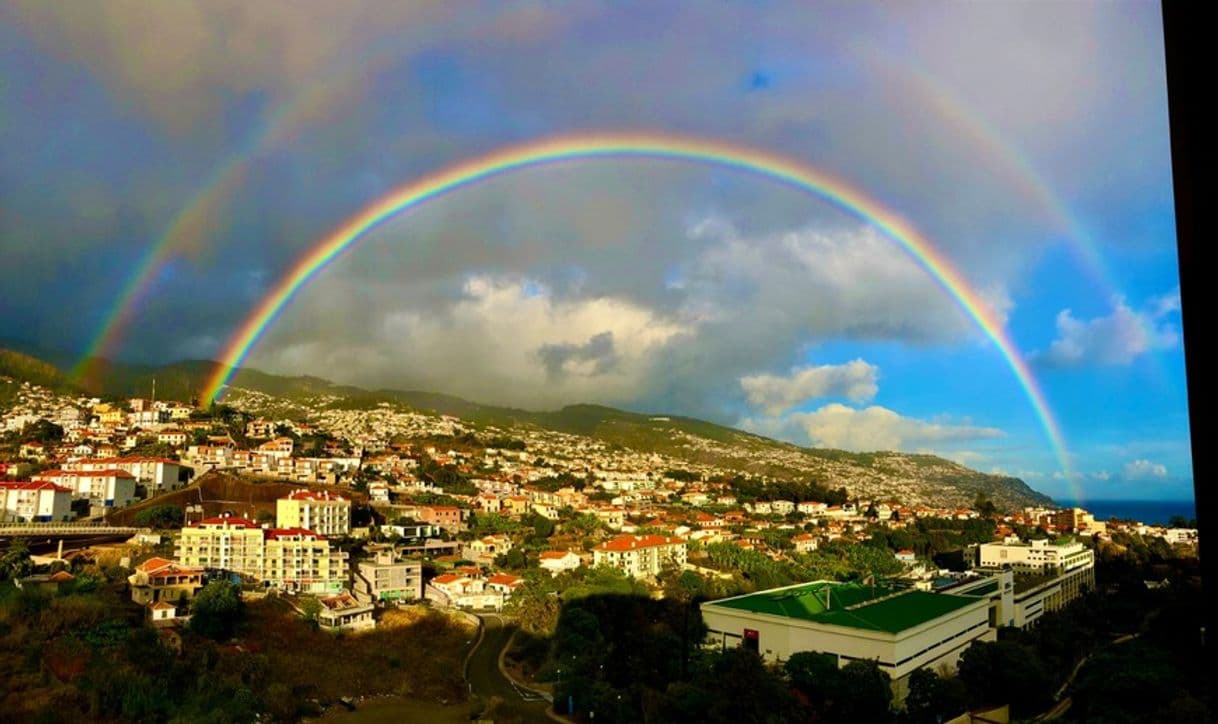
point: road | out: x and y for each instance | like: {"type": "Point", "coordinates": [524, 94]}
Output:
{"type": "Point", "coordinates": [486, 680]}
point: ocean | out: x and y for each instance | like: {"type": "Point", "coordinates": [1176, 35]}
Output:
{"type": "Point", "coordinates": [1143, 511]}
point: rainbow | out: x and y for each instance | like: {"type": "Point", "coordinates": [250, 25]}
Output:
{"type": "Point", "coordinates": [191, 227]}
{"type": "Point", "coordinates": [616, 146]}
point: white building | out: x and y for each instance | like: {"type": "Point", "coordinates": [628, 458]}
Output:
{"type": "Point", "coordinates": [1038, 556]}
{"type": "Point", "coordinates": [902, 630]}
{"type": "Point", "coordinates": [156, 474]}
{"type": "Point", "coordinates": [558, 561]}
{"type": "Point", "coordinates": [640, 555]}
{"type": "Point", "coordinates": [102, 488]}
{"type": "Point", "coordinates": [35, 502]}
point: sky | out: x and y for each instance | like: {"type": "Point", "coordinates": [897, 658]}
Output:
{"type": "Point", "coordinates": [1028, 142]}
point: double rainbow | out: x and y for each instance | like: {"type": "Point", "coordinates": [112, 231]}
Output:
{"type": "Point", "coordinates": [616, 146]}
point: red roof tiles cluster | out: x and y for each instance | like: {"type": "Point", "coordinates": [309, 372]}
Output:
{"type": "Point", "coordinates": [631, 542]}
{"type": "Point", "coordinates": [42, 485]}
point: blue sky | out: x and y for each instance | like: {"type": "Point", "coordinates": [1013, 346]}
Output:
{"type": "Point", "coordinates": [1009, 134]}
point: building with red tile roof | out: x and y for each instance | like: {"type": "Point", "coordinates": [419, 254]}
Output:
{"type": "Point", "coordinates": [640, 555]}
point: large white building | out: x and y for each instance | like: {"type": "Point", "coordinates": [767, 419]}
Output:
{"type": "Point", "coordinates": [104, 489]}
{"type": "Point", "coordinates": [1032, 578]}
{"type": "Point", "coordinates": [901, 629]}
{"type": "Point", "coordinates": [1037, 556]}
{"type": "Point", "coordinates": [322, 512]}
{"type": "Point", "coordinates": [36, 502]}
{"type": "Point", "coordinates": [156, 474]}
{"type": "Point", "coordinates": [640, 555]}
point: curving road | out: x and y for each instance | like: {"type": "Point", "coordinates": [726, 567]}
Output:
{"type": "Point", "coordinates": [487, 680]}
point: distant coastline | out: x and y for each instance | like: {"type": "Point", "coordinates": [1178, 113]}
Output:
{"type": "Point", "coordinates": [1144, 511]}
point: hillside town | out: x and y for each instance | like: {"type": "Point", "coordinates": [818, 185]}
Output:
{"type": "Point", "coordinates": [348, 513]}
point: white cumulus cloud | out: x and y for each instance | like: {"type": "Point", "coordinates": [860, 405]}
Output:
{"type": "Point", "coordinates": [1143, 469]}
{"type": "Point", "coordinates": [1116, 339]}
{"type": "Point", "coordinates": [775, 394]}
{"type": "Point", "coordinates": [868, 429]}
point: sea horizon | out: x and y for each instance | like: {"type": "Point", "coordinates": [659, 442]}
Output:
{"type": "Point", "coordinates": [1144, 511]}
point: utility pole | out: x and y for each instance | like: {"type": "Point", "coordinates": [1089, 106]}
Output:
{"type": "Point", "coordinates": [154, 391]}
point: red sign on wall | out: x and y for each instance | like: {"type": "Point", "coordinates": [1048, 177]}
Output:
{"type": "Point", "coordinates": [751, 634]}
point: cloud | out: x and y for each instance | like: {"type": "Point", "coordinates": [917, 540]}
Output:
{"type": "Point", "coordinates": [594, 357]}
{"type": "Point", "coordinates": [869, 429]}
{"type": "Point", "coordinates": [776, 394]}
{"type": "Point", "coordinates": [1143, 469]}
{"type": "Point", "coordinates": [1116, 339]}
{"type": "Point", "coordinates": [503, 340]}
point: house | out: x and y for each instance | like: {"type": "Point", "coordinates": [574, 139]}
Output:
{"type": "Point", "coordinates": [34, 502]}
{"type": "Point", "coordinates": [33, 449]}
{"type": "Point", "coordinates": [174, 438]}
{"type": "Point", "coordinates": [378, 491]}
{"type": "Point", "coordinates": [905, 555]}
{"type": "Point", "coordinates": [344, 612]}
{"type": "Point", "coordinates": [805, 542]}
{"type": "Point", "coordinates": [504, 583]}
{"type": "Point", "coordinates": [448, 517]}
{"type": "Point", "coordinates": [782, 507]}
{"type": "Point", "coordinates": [260, 429]}
{"type": "Point", "coordinates": [558, 561]}
{"type": "Point", "coordinates": [515, 505]}
{"type": "Point", "coordinates": [484, 550]}
{"type": "Point", "coordinates": [49, 582]}
{"type": "Point", "coordinates": [160, 579]}
{"type": "Point", "coordinates": [278, 448]}
{"type": "Point", "coordinates": [811, 507]}
{"type": "Point", "coordinates": [161, 613]}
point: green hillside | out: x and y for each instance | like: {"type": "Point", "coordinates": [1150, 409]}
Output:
{"type": "Point", "coordinates": [683, 438]}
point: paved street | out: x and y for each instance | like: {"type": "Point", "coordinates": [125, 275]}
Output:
{"type": "Point", "coordinates": [486, 680]}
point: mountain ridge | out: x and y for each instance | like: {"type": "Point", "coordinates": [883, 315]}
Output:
{"type": "Point", "coordinates": [879, 473]}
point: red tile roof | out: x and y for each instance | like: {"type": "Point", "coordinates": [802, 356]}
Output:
{"type": "Point", "coordinates": [231, 521]}
{"type": "Point", "coordinates": [447, 578]}
{"type": "Point", "coordinates": [153, 564]}
{"type": "Point", "coordinates": [41, 485]}
{"type": "Point", "coordinates": [553, 555]}
{"type": "Point", "coordinates": [630, 542]}
{"type": "Point", "coordinates": [285, 532]}
{"type": "Point", "coordinates": [505, 579]}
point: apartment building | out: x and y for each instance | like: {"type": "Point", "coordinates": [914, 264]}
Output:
{"type": "Point", "coordinates": [288, 558]}
{"type": "Point", "coordinates": [640, 555]}
{"type": "Point", "coordinates": [102, 488]}
{"type": "Point", "coordinates": [322, 512]}
{"type": "Point", "coordinates": [301, 560]}
{"type": "Point", "coordinates": [387, 580]}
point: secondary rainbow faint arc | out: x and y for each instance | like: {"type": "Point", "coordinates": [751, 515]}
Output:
{"type": "Point", "coordinates": [589, 147]}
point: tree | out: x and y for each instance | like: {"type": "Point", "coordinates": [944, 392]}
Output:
{"type": "Point", "coordinates": [311, 609]}
{"type": "Point", "coordinates": [160, 517]}
{"type": "Point", "coordinates": [932, 698]}
{"type": "Point", "coordinates": [43, 431]}
{"type": "Point", "coordinates": [984, 506]}
{"type": "Point", "coordinates": [16, 563]}
{"type": "Point", "coordinates": [217, 610]}
{"type": "Point", "coordinates": [1006, 672]}
{"type": "Point", "coordinates": [865, 693]}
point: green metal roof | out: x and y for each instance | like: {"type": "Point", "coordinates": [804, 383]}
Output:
{"type": "Point", "coordinates": [851, 605]}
